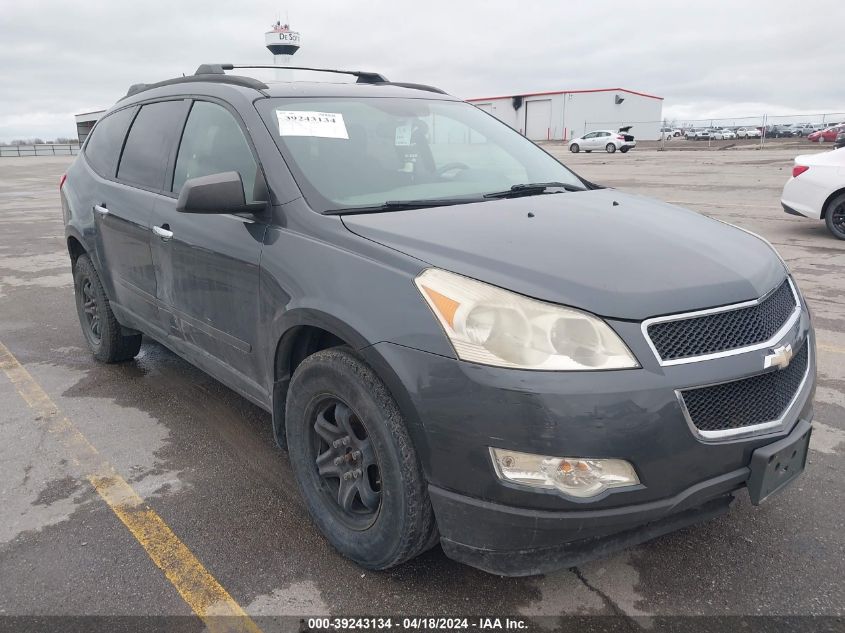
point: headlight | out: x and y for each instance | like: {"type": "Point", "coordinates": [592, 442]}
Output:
{"type": "Point", "coordinates": [496, 327]}
{"type": "Point", "coordinates": [574, 476]}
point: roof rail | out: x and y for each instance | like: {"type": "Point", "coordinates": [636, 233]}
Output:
{"type": "Point", "coordinates": [211, 76]}
{"type": "Point", "coordinates": [363, 76]}
{"type": "Point", "coordinates": [216, 73]}
{"type": "Point", "coordinates": [403, 84]}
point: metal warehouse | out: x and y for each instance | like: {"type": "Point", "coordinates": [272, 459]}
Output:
{"type": "Point", "coordinates": [565, 114]}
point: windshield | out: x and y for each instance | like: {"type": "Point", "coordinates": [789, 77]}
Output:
{"type": "Point", "coordinates": [350, 152]}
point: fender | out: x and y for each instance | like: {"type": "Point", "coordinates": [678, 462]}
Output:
{"type": "Point", "coordinates": [291, 322]}
{"type": "Point", "coordinates": [286, 330]}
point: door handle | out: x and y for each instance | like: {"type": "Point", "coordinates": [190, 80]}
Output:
{"type": "Point", "coordinates": [101, 209]}
{"type": "Point", "coordinates": [163, 233]}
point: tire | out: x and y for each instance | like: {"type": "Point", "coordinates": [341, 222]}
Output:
{"type": "Point", "coordinates": [387, 519]}
{"type": "Point", "coordinates": [610, 147]}
{"type": "Point", "coordinates": [106, 338]}
{"type": "Point", "coordinates": [587, 151]}
{"type": "Point", "coordinates": [834, 216]}
{"type": "Point", "coordinates": [574, 148]}
{"type": "Point", "coordinates": [624, 150]}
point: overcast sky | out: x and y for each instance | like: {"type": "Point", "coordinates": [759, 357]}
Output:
{"type": "Point", "coordinates": [715, 58]}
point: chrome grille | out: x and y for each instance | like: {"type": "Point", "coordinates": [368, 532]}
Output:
{"type": "Point", "coordinates": [749, 401]}
{"type": "Point", "coordinates": [723, 330]}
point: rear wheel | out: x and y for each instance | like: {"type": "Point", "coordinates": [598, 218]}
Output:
{"type": "Point", "coordinates": [105, 336]}
{"type": "Point", "coordinates": [610, 147]}
{"type": "Point", "coordinates": [354, 462]}
{"type": "Point", "coordinates": [624, 150]}
{"type": "Point", "coordinates": [574, 148]}
{"type": "Point", "coordinates": [834, 217]}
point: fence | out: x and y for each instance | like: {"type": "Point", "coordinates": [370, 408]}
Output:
{"type": "Point", "coordinates": [770, 126]}
{"type": "Point", "coordinates": [47, 149]}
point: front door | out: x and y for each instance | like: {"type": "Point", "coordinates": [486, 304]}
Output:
{"type": "Point", "coordinates": [207, 264]}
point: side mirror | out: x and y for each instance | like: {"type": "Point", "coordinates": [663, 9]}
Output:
{"type": "Point", "coordinates": [217, 193]}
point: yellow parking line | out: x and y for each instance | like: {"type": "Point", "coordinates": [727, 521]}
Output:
{"type": "Point", "coordinates": [207, 597]}
{"type": "Point", "coordinates": [830, 348]}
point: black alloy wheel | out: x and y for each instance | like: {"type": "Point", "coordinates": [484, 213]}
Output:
{"type": "Point", "coordinates": [107, 339]}
{"type": "Point", "coordinates": [835, 217]}
{"type": "Point", "coordinates": [346, 463]}
{"type": "Point", "coordinates": [88, 306]}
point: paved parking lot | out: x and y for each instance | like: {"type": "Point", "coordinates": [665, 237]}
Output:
{"type": "Point", "coordinates": [204, 461]}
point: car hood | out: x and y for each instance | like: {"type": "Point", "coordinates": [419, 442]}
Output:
{"type": "Point", "coordinates": [614, 254]}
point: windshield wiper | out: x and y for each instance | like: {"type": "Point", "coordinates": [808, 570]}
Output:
{"type": "Point", "coordinates": [403, 205]}
{"type": "Point", "coordinates": [532, 188]}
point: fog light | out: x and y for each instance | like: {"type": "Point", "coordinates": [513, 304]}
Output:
{"type": "Point", "coordinates": [574, 476]}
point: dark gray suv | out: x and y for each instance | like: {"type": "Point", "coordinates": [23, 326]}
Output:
{"type": "Point", "coordinates": [459, 339]}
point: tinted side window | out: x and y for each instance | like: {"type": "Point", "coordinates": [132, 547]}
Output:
{"type": "Point", "coordinates": [103, 148]}
{"type": "Point", "coordinates": [212, 143]}
{"type": "Point", "coordinates": [149, 144]}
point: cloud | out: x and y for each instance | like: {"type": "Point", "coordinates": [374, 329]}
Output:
{"type": "Point", "coordinates": [59, 58]}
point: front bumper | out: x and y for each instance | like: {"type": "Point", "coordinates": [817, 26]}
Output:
{"type": "Point", "coordinates": [520, 542]}
{"type": "Point", "coordinates": [457, 410]}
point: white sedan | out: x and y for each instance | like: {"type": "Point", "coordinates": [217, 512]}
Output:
{"type": "Point", "coordinates": [723, 134]}
{"type": "Point", "coordinates": [748, 132]}
{"type": "Point", "coordinates": [817, 189]}
{"type": "Point", "coordinates": [606, 140]}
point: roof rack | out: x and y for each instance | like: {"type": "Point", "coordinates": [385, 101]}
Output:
{"type": "Point", "coordinates": [216, 73]}
{"type": "Point", "coordinates": [235, 80]}
{"type": "Point", "coordinates": [363, 76]}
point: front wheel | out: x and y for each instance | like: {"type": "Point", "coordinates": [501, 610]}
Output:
{"type": "Point", "coordinates": [106, 338]}
{"type": "Point", "coordinates": [610, 148]}
{"type": "Point", "coordinates": [574, 148]}
{"type": "Point", "coordinates": [354, 461]}
{"type": "Point", "coordinates": [834, 217]}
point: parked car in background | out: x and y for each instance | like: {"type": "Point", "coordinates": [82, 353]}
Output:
{"type": "Point", "coordinates": [817, 189]}
{"type": "Point", "coordinates": [748, 132]}
{"type": "Point", "coordinates": [827, 135]}
{"type": "Point", "coordinates": [803, 129]}
{"type": "Point", "coordinates": [690, 134]}
{"type": "Point", "coordinates": [840, 140]}
{"type": "Point", "coordinates": [667, 133]}
{"type": "Point", "coordinates": [606, 140]}
{"type": "Point", "coordinates": [702, 135]}
{"type": "Point", "coordinates": [723, 135]}
{"type": "Point", "coordinates": [779, 131]}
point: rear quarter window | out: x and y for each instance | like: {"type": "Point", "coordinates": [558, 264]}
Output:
{"type": "Point", "coordinates": [149, 144]}
{"type": "Point", "coordinates": [103, 147]}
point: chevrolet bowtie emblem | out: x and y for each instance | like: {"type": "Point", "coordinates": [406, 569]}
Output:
{"type": "Point", "coordinates": [779, 357]}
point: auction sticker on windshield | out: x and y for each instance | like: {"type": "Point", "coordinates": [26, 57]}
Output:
{"type": "Point", "coordinates": [306, 123]}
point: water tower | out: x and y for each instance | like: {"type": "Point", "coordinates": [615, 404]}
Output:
{"type": "Point", "coordinates": [282, 43]}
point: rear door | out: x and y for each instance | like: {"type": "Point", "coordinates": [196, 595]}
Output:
{"type": "Point", "coordinates": [121, 241]}
{"type": "Point", "coordinates": [601, 140]}
{"type": "Point", "coordinates": [124, 208]}
{"type": "Point", "coordinates": [207, 264]}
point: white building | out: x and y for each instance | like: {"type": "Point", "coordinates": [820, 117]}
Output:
{"type": "Point", "coordinates": [84, 123]}
{"type": "Point", "coordinates": [566, 114]}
